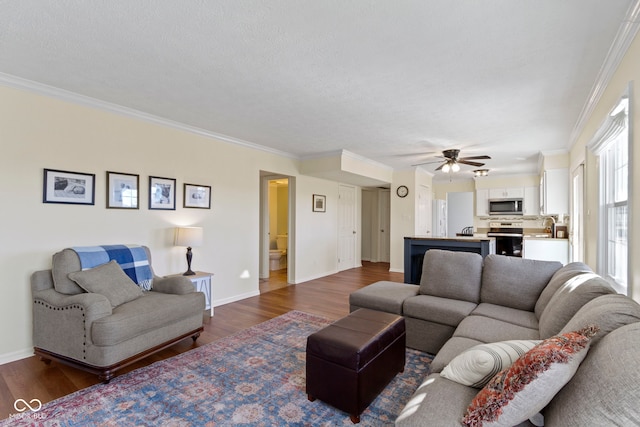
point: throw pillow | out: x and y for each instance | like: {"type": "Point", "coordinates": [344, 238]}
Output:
{"type": "Point", "coordinates": [477, 365]}
{"type": "Point", "coordinates": [519, 392]}
{"type": "Point", "coordinates": [108, 280]}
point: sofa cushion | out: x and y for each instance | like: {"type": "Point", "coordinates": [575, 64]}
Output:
{"type": "Point", "coordinates": [515, 282]}
{"type": "Point", "coordinates": [449, 274]}
{"type": "Point", "coordinates": [453, 347]}
{"type": "Point", "coordinates": [507, 314]}
{"type": "Point", "coordinates": [609, 312]}
{"type": "Point", "coordinates": [438, 401]}
{"type": "Point", "coordinates": [568, 299]}
{"type": "Point", "coordinates": [486, 329]}
{"type": "Point", "coordinates": [382, 296]}
{"type": "Point", "coordinates": [435, 309]}
{"type": "Point", "coordinates": [604, 391]}
{"type": "Point", "coordinates": [108, 280]}
{"type": "Point", "coordinates": [151, 311]}
{"type": "Point", "coordinates": [559, 278]}
{"type": "Point", "coordinates": [524, 389]}
{"type": "Point", "coordinates": [476, 366]}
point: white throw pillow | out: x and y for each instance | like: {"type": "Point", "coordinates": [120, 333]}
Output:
{"type": "Point", "coordinates": [477, 365]}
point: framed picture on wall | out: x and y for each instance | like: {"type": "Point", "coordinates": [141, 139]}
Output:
{"type": "Point", "coordinates": [162, 193]}
{"type": "Point", "coordinates": [74, 188]}
{"type": "Point", "coordinates": [319, 203]}
{"type": "Point", "coordinates": [122, 190]}
{"type": "Point", "coordinates": [197, 196]}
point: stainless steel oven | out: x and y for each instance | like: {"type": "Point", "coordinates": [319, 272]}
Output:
{"type": "Point", "coordinates": [508, 235]}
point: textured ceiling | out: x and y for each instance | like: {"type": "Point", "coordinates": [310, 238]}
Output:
{"type": "Point", "coordinates": [387, 80]}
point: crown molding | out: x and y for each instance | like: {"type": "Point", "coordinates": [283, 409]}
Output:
{"type": "Point", "coordinates": [87, 101]}
{"type": "Point", "coordinates": [625, 36]}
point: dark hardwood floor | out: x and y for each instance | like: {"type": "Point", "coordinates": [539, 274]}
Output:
{"type": "Point", "coordinates": [328, 296]}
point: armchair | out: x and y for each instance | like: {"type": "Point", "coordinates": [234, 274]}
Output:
{"type": "Point", "coordinates": [115, 323]}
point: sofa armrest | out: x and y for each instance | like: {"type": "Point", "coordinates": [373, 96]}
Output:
{"type": "Point", "coordinates": [178, 285]}
{"type": "Point", "coordinates": [62, 323]}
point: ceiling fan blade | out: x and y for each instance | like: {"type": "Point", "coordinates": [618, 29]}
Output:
{"type": "Point", "coordinates": [440, 167]}
{"type": "Point", "coordinates": [427, 163]}
{"type": "Point", "coordinates": [465, 162]}
{"type": "Point", "coordinates": [475, 158]}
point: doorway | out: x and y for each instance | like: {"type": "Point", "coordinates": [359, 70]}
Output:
{"type": "Point", "coordinates": [276, 253]}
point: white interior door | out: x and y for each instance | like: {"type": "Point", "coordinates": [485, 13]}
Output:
{"type": "Point", "coordinates": [423, 223]}
{"type": "Point", "coordinates": [576, 222]}
{"type": "Point", "coordinates": [346, 227]}
{"type": "Point", "coordinates": [384, 203]}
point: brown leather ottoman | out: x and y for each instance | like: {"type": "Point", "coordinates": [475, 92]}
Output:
{"type": "Point", "coordinates": [352, 360]}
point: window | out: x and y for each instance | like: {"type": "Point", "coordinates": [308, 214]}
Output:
{"type": "Point", "coordinates": [612, 148]}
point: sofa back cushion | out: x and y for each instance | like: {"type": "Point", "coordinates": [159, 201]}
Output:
{"type": "Point", "coordinates": [568, 299]}
{"type": "Point", "coordinates": [604, 391]}
{"type": "Point", "coordinates": [559, 278]}
{"type": "Point", "coordinates": [449, 274]}
{"type": "Point", "coordinates": [515, 282]}
{"type": "Point", "coordinates": [609, 312]}
{"type": "Point", "coordinates": [67, 261]}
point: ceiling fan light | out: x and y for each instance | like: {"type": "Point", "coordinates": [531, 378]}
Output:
{"type": "Point", "coordinates": [455, 167]}
{"type": "Point", "coordinates": [446, 167]}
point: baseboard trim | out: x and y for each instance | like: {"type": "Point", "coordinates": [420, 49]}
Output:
{"type": "Point", "coordinates": [15, 355]}
{"type": "Point", "coordinates": [235, 298]}
{"type": "Point", "coordinates": [396, 270]}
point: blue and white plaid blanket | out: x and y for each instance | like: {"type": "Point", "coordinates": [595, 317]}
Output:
{"type": "Point", "coordinates": [131, 258]}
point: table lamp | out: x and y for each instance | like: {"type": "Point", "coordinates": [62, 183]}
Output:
{"type": "Point", "coordinates": [188, 236]}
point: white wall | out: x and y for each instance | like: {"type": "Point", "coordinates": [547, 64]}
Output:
{"type": "Point", "coordinates": [38, 132]}
{"type": "Point", "coordinates": [628, 71]}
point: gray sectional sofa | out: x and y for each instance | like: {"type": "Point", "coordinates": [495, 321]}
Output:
{"type": "Point", "coordinates": [464, 301]}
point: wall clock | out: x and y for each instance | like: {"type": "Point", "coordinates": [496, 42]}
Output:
{"type": "Point", "coordinates": [402, 191]}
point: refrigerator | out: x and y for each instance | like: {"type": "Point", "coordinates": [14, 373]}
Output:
{"type": "Point", "coordinates": [439, 216]}
{"type": "Point", "coordinates": [459, 212]}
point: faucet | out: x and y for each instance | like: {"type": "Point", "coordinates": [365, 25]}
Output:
{"type": "Point", "coordinates": [553, 225]}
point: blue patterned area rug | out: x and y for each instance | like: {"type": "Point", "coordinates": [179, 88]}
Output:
{"type": "Point", "coordinates": [255, 377]}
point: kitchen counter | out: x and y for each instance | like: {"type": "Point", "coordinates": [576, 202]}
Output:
{"type": "Point", "coordinates": [453, 239]}
{"type": "Point", "coordinates": [546, 248]}
{"type": "Point", "coordinates": [527, 237]}
{"type": "Point", "coordinates": [416, 246]}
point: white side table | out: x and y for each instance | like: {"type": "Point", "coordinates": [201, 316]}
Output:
{"type": "Point", "coordinates": [202, 282]}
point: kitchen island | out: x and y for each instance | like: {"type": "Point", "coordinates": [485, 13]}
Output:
{"type": "Point", "coordinates": [416, 246]}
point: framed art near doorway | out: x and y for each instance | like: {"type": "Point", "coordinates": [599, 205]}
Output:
{"type": "Point", "coordinates": [319, 203]}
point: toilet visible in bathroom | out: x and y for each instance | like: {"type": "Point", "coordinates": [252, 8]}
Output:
{"type": "Point", "coordinates": [278, 257]}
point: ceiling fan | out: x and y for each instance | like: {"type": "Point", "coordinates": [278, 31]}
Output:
{"type": "Point", "coordinates": [452, 162]}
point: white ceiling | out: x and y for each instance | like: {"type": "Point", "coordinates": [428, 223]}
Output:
{"type": "Point", "coordinates": [387, 80]}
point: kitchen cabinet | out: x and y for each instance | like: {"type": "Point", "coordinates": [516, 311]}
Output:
{"type": "Point", "coordinates": [554, 192]}
{"type": "Point", "coordinates": [546, 249]}
{"type": "Point", "coordinates": [506, 193]}
{"type": "Point", "coordinates": [531, 203]}
{"type": "Point", "coordinates": [482, 202]}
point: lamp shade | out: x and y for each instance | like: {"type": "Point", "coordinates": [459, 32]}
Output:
{"type": "Point", "coordinates": [189, 236]}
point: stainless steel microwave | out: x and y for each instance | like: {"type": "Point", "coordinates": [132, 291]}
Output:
{"type": "Point", "coordinates": [505, 207]}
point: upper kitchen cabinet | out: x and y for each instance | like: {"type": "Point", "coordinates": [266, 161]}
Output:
{"type": "Point", "coordinates": [506, 193]}
{"type": "Point", "coordinates": [531, 203]}
{"type": "Point", "coordinates": [554, 192]}
{"type": "Point", "coordinates": [482, 202]}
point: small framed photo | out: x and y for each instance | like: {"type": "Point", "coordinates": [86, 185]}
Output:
{"type": "Point", "coordinates": [122, 190]}
{"type": "Point", "coordinates": [319, 203]}
{"type": "Point", "coordinates": [162, 193]}
{"type": "Point", "coordinates": [74, 188]}
{"type": "Point", "coordinates": [197, 196]}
